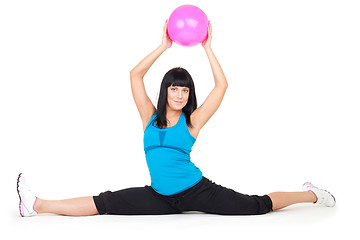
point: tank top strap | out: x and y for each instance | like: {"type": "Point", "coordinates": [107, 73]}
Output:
{"type": "Point", "coordinates": [182, 120]}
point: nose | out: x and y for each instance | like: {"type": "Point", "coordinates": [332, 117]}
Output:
{"type": "Point", "coordinates": [180, 94]}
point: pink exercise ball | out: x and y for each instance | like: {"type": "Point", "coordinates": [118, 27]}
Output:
{"type": "Point", "coordinates": [188, 25]}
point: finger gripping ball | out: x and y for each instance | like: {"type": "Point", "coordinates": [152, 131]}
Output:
{"type": "Point", "coordinates": [188, 25]}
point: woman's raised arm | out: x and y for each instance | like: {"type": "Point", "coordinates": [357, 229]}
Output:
{"type": "Point", "coordinates": [202, 114]}
{"type": "Point", "coordinates": [142, 101]}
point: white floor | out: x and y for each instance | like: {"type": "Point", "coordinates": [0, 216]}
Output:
{"type": "Point", "coordinates": [296, 222]}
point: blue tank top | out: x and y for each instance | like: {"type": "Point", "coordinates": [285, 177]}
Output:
{"type": "Point", "coordinates": [167, 153]}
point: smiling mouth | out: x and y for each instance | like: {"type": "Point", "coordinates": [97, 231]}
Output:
{"type": "Point", "coordinates": [178, 102]}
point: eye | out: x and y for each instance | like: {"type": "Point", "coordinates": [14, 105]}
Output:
{"type": "Point", "coordinates": [173, 89]}
{"type": "Point", "coordinates": [186, 90]}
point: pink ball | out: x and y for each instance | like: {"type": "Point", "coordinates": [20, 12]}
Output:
{"type": "Point", "coordinates": [188, 25]}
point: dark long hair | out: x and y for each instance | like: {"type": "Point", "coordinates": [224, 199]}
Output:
{"type": "Point", "coordinates": [175, 77]}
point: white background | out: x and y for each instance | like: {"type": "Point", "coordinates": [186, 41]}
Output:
{"type": "Point", "coordinates": [290, 115]}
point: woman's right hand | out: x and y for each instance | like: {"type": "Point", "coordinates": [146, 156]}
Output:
{"type": "Point", "coordinates": [166, 40]}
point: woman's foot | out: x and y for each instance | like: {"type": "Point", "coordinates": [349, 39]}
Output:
{"type": "Point", "coordinates": [323, 197]}
{"type": "Point", "coordinates": [27, 198]}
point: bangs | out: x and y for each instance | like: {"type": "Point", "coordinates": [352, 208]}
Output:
{"type": "Point", "coordinates": [180, 83]}
{"type": "Point", "coordinates": [179, 78]}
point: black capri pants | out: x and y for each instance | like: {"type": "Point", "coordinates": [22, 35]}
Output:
{"type": "Point", "coordinates": [206, 196]}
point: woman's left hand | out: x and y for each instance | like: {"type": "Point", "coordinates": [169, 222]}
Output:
{"type": "Point", "coordinates": [166, 40]}
{"type": "Point", "coordinates": [207, 42]}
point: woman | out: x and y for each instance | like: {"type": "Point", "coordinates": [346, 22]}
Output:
{"type": "Point", "coordinates": [170, 130]}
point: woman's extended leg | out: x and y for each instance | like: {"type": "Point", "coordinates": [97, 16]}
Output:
{"type": "Point", "coordinates": [82, 206]}
{"type": "Point", "coordinates": [31, 205]}
{"type": "Point", "coordinates": [310, 194]}
{"type": "Point", "coordinates": [284, 199]}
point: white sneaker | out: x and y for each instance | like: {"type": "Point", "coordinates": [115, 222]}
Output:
{"type": "Point", "coordinates": [323, 197]}
{"type": "Point", "coordinates": [27, 198]}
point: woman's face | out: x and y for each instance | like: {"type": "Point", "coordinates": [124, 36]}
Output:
{"type": "Point", "coordinates": [177, 97]}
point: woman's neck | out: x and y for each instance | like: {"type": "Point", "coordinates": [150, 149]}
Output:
{"type": "Point", "coordinates": [172, 113]}
{"type": "Point", "coordinates": [172, 116]}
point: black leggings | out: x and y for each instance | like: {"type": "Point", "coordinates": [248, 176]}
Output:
{"type": "Point", "coordinates": [205, 196]}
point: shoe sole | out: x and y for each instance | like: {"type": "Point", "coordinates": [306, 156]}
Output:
{"type": "Point", "coordinates": [17, 188]}
{"type": "Point", "coordinates": [332, 197]}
